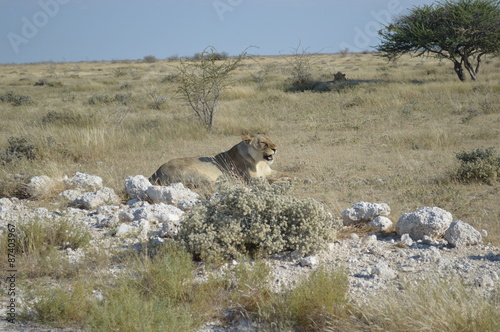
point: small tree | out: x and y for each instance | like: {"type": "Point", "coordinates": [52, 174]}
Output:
{"type": "Point", "coordinates": [462, 31]}
{"type": "Point", "coordinates": [201, 81]}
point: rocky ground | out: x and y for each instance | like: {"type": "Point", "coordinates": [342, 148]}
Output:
{"type": "Point", "coordinates": [375, 263]}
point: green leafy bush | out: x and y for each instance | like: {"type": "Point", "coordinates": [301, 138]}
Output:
{"type": "Point", "coordinates": [261, 218]}
{"type": "Point", "coordinates": [480, 165]}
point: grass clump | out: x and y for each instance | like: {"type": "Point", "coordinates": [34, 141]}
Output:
{"type": "Point", "coordinates": [480, 165]}
{"type": "Point", "coordinates": [433, 305]}
{"type": "Point", "coordinates": [318, 301]}
{"type": "Point", "coordinates": [262, 218]}
{"type": "Point", "coordinates": [39, 234]}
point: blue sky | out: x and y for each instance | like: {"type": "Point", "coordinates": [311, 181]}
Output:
{"type": "Point", "coordinates": [87, 30]}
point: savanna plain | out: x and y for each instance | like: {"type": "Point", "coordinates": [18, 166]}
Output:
{"type": "Point", "coordinates": [390, 133]}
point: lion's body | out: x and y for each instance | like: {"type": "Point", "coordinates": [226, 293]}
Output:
{"type": "Point", "coordinates": [251, 158]}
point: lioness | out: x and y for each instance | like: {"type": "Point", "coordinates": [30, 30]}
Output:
{"type": "Point", "coordinates": [246, 160]}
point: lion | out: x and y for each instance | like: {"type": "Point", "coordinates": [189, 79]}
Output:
{"type": "Point", "coordinates": [247, 160]}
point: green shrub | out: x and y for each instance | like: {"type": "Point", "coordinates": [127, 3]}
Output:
{"type": "Point", "coordinates": [480, 165]}
{"type": "Point", "coordinates": [261, 218]}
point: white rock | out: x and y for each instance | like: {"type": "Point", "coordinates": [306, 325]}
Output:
{"type": "Point", "coordinates": [309, 261]}
{"type": "Point", "coordinates": [5, 204]}
{"type": "Point", "coordinates": [364, 212]}
{"type": "Point", "coordinates": [123, 229]}
{"type": "Point", "coordinates": [430, 221]}
{"type": "Point", "coordinates": [406, 240]}
{"type": "Point", "coordinates": [380, 224]}
{"type": "Point", "coordinates": [382, 270]}
{"type": "Point", "coordinates": [170, 229]}
{"type": "Point", "coordinates": [70, 195]}
{"type": "Point", "coordinates": [41, 186]}
{"type": "Point", "coordinates": [137, 186]}
{"type": "Point", "coordinates": [92, 200]}
{"type": "Point", "coordinates": [369, 239]}
{"type": "Point", "coordinates": [461, 234]}
{"type": "Point", "coordinates": [155, 213]}
{"type": "Point", "coordinates": [84, 182]}
{"type": "Point", "coordinates": [144, 228]}
{"type": "Point", "coordinates": [172, 194]}
{"type": "Point", "coordinates": [353, 236]}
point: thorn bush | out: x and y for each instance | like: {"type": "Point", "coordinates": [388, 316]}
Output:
{"type": "Point", "coordinates": [259, 219]}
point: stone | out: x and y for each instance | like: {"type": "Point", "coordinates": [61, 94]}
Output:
{"type": "Point", "coordinates": [382, 270]}
{"type": "Point", "coordinates": [123, 229]}
{"type": "Point", "coordinates": [406, 240]}
{"type": "Point", "coordinates": [92, 200]}
{"type": "Point", "coordinates": [41, 186]}
{"type": "Point", "coordinates": [462, 234]}
{"type": "Point", "coordinates": [170, 228]}
{"type": "Point", "coordinates": [380, 224]}
{"type": "Point", "coordinates": [70, 195]}
{"type": "Point", "coordinates": [155, 213]}
{"type": "Point", "coordinates": [369, 239]}
{"type": "Point", "coordinates": [364, 212]}
{"type": "Point", "coordinates": [136, 187]}
{"type": "Point", "coordinates": [427, 221]}
{"type": "Point", "coordinates": [173, 194]}
{"type": "Point", "coordinates": [84, 182]}
{"type": "Point", "coordinates": [309, 261]}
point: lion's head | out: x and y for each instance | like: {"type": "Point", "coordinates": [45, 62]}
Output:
{"type": "Point", "coordinates": [260, 147]}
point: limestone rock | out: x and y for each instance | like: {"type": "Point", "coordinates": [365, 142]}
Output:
{"type": "Point", "coordinates": [41, 186]}
{"type": "Point", "coordinates": [461, 234]}
{"type": "Point", "coordinates": [173, 194]}
{"type": "Point", "coordinates": [430, 221]}
{"type": "Point", "coordinates": [155, 213]}
{"type": "Point", "coordinates": [84, 182]}
{"type": "Point", "coordinates": [380, 224]}
{"type": "Point", "coordinates": [137, 186]}
{"type": "Point", "coordinates": [92, 200]}
{"type": "Point", "coordinates": [364, 212]}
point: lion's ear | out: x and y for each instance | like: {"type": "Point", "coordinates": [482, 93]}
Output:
{"type": "Point", "coordinates": [246, 138]}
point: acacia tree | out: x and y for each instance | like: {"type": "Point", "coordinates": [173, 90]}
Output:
{"type": "Point", "coordinates": [462, 31]}
{"type": "Point", "coordinates": [202, 80]}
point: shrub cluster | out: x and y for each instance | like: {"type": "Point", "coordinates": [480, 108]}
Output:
{"type": "Point", "coordinates": [16, 100]}
{"type": "Point", "coordinates": [480, 165]}
{"type": "Point", "coordinates": [19, 147]}
{"type": "Point", "coordinates": [260, 218]}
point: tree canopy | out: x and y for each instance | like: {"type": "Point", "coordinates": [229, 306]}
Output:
{"type": "Point", "coordinates": [462, 31]}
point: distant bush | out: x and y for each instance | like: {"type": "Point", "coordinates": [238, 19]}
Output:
{"type": "Point", "coordinates": [261, 218]}
{"type": "Point", "coordinates": [44, 82]}
{"type": "Point", "coordinates": [19, 147]}
{"type": "Point", "coordinates": [149, 59]}
{"type": "Point", "coordinates": [123, 99]}
{"type": "Point", "coordinates": [16, 100]}
{"type": "Point", "coordinates": [65, 118]}
{"type": "Point", "coordinates": [480, 165]}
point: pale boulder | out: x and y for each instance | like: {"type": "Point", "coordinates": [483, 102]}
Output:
{"type": "Point", "coordinates": [462, 234]}
{"type": "Point", "coordinates": [427, 221]}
